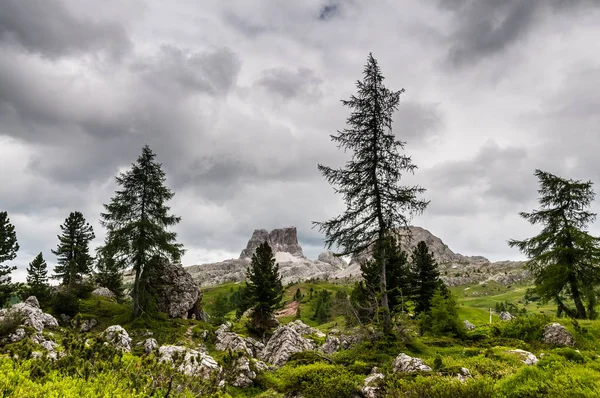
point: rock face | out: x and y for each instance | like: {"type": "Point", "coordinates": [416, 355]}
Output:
{"type": "Point", "coordinates": [557, 335]}
{"type": "Point", "coordinates": [190, 362]}
{"type": "Point", "coordinates": [33, 314]}
{"type": "Point", "coordinates": [118, 337]}
{"type": "Point", "coordinates": [330, 258]}
{"type": "Point", "coordinates": [303, 329]}
{"type": "Point", "coordinates": [526, 357]}
{"type": "Point", "coordinates": [284, 342]}
{"type": "Point", "coordinates": [176, 291]}
{"type": "Point", "coordinates": [227, 340]}
{"type": "Point", "coordinates": [244, 371]}
{"type": "Point", "coordinates": [283, 240]}
{"type": "Point", "coordinates": [104, 292]}
{"type": "Point", "coordinates": [18, 335]}
{"type": "Point", "coordinates": [331, 345]}
{"type": "Point", "coordinates": [407, 364]}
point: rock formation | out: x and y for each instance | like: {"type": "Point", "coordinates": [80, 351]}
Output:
{"type": "Point", "coordinates": [191, 362]}
{"type": "Point", "coordinates": [506, 316]}
{"type": "Point", "coordinates": [330, 258]}
{"type": "Point", "coordinates": [104, 292]}
{"type": "Point", "coordinates": [557, 335]}
{"type": "Point", "coordinates": [118, 337]}
{"type": "Point", "coordinates": [229, 341]}
{"type": "Point", "coordinates": [468, 325]}
{"type": "Point", "coordinates": [284, 342]}
{"type": "Point", "coordinates": [284, 240]}
{"type": "Point", "coordinates": [33, 314]}
{"type": "Point", "coordinates": [407, 364]}
{"type": "Point", "coordinates": [372, 384]}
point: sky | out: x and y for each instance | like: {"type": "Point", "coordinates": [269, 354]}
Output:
{"type": "Point", "coordinates": [238, 99]}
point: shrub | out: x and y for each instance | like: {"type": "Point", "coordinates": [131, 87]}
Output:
{"type": "Point", "coordinates": [10, 323]}
{"type": "Point", "coordinates": [437, 387]}
{"type": "Point", "coordinates": [570, 354]}
{"type": "Point", "coordinates": [65, 302]}
{"type": "Point", "coordinates": [526, 328]}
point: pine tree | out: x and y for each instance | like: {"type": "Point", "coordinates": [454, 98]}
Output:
{"type": "Point", "coordinates": [426, 277]}
{"type": "Point", "coordinates": [264, 287]}
{"type": "Point", "coordinates": [8, 252]}
{"type": "Point", "coordinates": [376, 205]}
{"type": "Point", "coordinates": [37, 278]}
{"type": "Point", "coordinates": [137, 221]}
{"type": "Point", "coordinates": [563, 257]}
{"type": "Point", "coordinates": [109, 274]}
{"type": "Point", "coordinates": [73, 252]}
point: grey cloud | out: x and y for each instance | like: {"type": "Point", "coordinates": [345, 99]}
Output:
{"type": "Point", "coordinates": [328, 11]}
{"type": "Point", "coordinates": [48, 28]}
{"type": "Point", "coordinates": [417, 123]}
{"type": "Point", "coordinates": [289, 84]}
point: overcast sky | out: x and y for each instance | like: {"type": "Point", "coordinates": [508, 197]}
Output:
{"type": "Point", "coordinates": [238, 99]}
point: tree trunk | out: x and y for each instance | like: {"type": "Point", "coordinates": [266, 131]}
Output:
{"type": "Point", "coordinates": [580, 308]}
{"type": "Point", "coordinates": [387, 327]}
{"type": "Point", "coordinates": [136, 294]}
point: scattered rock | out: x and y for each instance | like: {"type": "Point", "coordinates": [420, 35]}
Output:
{"type": "Point", "coordinates": [34, 316]}
{"type": "Point", "coordinates": [150, 345]}
{"type": "Point", "coordinates": [469, 325]}
{"type": "Point", "coordinates": [284, 342]}
{"type": "Point", "coordinates": [104, 292]}
{"type": "Point", "coordinates": [176, 292]}
{"type": "Point", "coordinates": [48, 345]}
{"type": "Point", "coordinates": [303, 329]}
{"type": "Point", "coordinates": [372, 384]}
{"type": "Point", "coordinates": [557, 335]}
{"type": "Point", "coordinates": [331, 345]}
{"type": "Point", "coordinates": [463, 375]}
{"type": "Point", "coordinates": [506, 316]}
{"type": "Point", "coordinates": [526, 357]}
{"type": "Point", "coordinates": [188, 361]}
{"type": "Point", "coordinates": [18, 335]}
{"type": "Point", "coordinates": [88, 325]}
{"type": "Point", "coordinates": [407, 364]}
{"type": "Point", "coordinates": [118, 337]}
{"type": "Point", "coordinates": [232, 341]}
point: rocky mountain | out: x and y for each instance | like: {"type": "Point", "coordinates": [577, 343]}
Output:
{"type": "Point", "coordinates": [456, 269]}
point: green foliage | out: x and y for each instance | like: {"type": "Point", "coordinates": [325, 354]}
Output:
{"type": "Point", "coordinates": [65, 302]}
{"type": "Point", "coordinates": [562, 255]}
{"type": "Point", "coordinates": [37, 280]}
{"type": "Point", "coordinates": [136, 220]}
{"type": "Point", "coordinates": [109, 273]}
{"type": "Point", "coordinates": [219, 309]}
{"type": "Point", "coordinates": [72, 251]}
{"type": "Point", "coordinates": [10, 323]}
{"type": "Point", "coordinates": [442, 319]}
{"type": "Point", "coordinates": [264, 287]}
{"type": "Point", "coordinates": [426, 277]}
{"type": "Point", "coordinates": [323, 306]}
{"type": "Point", "coordinates": [526, 328]}
{"type": "Point", "coordinates": [8, 252]}
{"type": "Point", "coordinates": [437, 387]}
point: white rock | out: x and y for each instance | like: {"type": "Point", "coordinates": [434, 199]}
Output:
{"type": "Point", "coordinates": [18, 335]}
{"type": "Point", "coordinates": [463, 375]}
{"type": "Point", "coordinates": [88, 324]}
{"type": "Point", "coordinates": [150, 345]}
{"type": "Point", "coordinates": [34, 316]}
{"type": "Point", "coordinates": [408, 364]}
{"type": "Point", "coordinates": [118, 337]}
{"type": "Point", "coordinates": [284, 342]}
{"type": "Point", "coordinates": [469, 325]}
{"type": "Point", "coordinates": [506, 316]}
{"type": "Point", "coordinates": [232, 341]}
{"type": "Point", "coordinates": [190, 362]}
{"type": "Point", "coordinates": [372, 384]}
{"type": "Point", "coordinates": [303, 329]}
{"type": "Point", "coordinates": [557, 335]}
{"type": "Point", "coordinates": [526, 357]}
{"type": "Point", "coordinates": [104, 292]}
{"type": "Point", "coordinates": [331, 345]}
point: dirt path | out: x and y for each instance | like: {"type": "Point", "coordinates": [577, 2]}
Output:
{"type": "Point", "coordinates": [289, 309]}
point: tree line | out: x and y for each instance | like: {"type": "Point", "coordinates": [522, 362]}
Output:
{"type": "Point", "coordinates": [563, 257]}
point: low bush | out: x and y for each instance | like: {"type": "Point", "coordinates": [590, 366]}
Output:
{"type": "Point", "coordinates": [526, 328]}
{"type": "Point", "coordinates": [437, 387]}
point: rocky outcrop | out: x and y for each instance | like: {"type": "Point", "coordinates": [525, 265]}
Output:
{"type": "Point", "coordinates": [48, 345]}
{"type": "Point", "coordinates": [557, 335]}
{"type": "Point", "coordinates": [469, 325]}
{"type": "Point", "coordinates": [527, 357]}
{"type": "Point", "coordinates": [330, 258]}
{"type": "Point", "coordinates": [407, 364]}
{"type": "Point", "coordinates": [118, 337]}
{"type": "Point", "coordinates": [244, 371]}
{"type": "Point", "coordinates": [229, 341]}
{"type": "Point", "coordinates": [17, 336]}
{"type": "Point", "coordinates": [176, 292]}
{"type": "Point", "coordinates": [284, 342]}
{"type": "Point", "coordinates": [150, 345]}
{"type": "Point", "coordinates": [303, 329]}
{"type": "Point", "coordinates": [372, 384]}
{"type": "Point", "coordinates": [331, 345]}
{"type": "Point", "coordinates": [104, 292]}
{"type": "Point", "coordinates": [284, 240]}
{"type": "Point", "coordinates": [32, 313]}
{"type": "Point", "coordinates": [506, 316]}
{"type": "Point", "coordinates": [188, 361]}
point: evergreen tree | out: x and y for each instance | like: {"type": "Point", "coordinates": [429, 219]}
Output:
{"type": "Point", "coordinates": [376, 205]}
{"type": "Point", "coordinates": [264, 287]}
{"type": "Point", "coordinates": [37, 279]}
{"type": "Point", "coordinates": [8, 252]}
{"type": "Point", "coordinates": [109, 274]}
{"type": "Point", "coordinates": [323, 306]}
{"type": "Point", "coordinates": [73, 252]}
{"type": "Point", "coordinates": [442, 318]}
{"type": "Point", "coordinates": [563, 257]}
{"type": "Point", "coordinates": [426, 277]}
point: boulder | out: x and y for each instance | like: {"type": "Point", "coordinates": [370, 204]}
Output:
{"type": "Point", "coordinates": [188, 361]}
{"type": "Point", "coordinates": [104, 292]}
{"type": "Point", "coordinates": [330, 258]}
{"type": "Point", "coordinates": [232, 341]}
{"type": "Point", "coordinates": [372, 384]}
{"type": "Point", "coordinates": [17, 336]}
{"type": "Point", "coordinates": [281, 240]}
{"type": "Point", "coordinates": [526, 357]}
{"type": "Point", "coordinates": [463, 375]}
{"type": "Point", "coordinates": [118, 337]}
{"type": "Point", "coordinates": [176, 292]}
{"type": "Point", "coordinates": [284, 342]}
{"type": "Point", "coordinates": [407, 364]}
{"type": "Point", "coordinates": [506, 316]}
{"type": "Point", "coordinates": [469, 325]}
{"type": "Point", "coordinates": [150, 345]}
{"type": "Point", "coordinates": [244, 371]}
{"type": "Point", "coordinates": [255, 345]}
{"type": "Point", "coordinates": [34, 316]}
{"type": "Point", "coordinates": [557, 335]}
{"type": "Point", "coordinates": [88, 325]}
{"type": "Point", "coordinates": [303, 329]}
{"type": "Point", "coordinates": [331, 345]}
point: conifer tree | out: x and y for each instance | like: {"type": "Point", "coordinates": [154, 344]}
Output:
{"type": "Point", "coordinates": [426, 277]}
{"type": "Point", "coordinates": [109, 274]}
{"type": "Point", "coordinates": [376, 204]}
{"type": "Point", "coordinates": [8, 252]}
{"type": "Point", "coordinates": [563, 257]}
{"type": "Point", "coordinates": [264, 288]}
{"type": "Point", "coordinates": [37, 278]}
{"type": "Point", "coordinates": [137, 220]}
{"type": "Point", "coordinates": [73, 252]}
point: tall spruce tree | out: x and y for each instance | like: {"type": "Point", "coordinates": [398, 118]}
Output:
{"type": "Point", "coordinates": [37, 278]}
{"type": "Point", "coordinates": [376, 204]}
{"type": "Point", "coordinates": [426, 277]}
{"type": "Point", "coordinates": [137, 221]}
{"type": "Point", "coordinates": [264, 289]}
{"type": "Point", "coordinates": [72, 251]}
{"type": "Point", "coordinates": [563, 257]}
{"type": "Point", "coordinates": [8, 252]}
